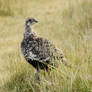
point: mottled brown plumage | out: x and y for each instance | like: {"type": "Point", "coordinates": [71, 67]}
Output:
{"type": "Point", "coordinates": [39, 51]}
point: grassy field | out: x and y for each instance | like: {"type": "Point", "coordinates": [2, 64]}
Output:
{"type": "Point", "coordinates": [67, 24]}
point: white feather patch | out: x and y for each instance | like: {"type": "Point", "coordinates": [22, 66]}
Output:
{"type": "Point", "coordinates": [31, 55]}
{"type": "Point", "coordinates": [34, 57]}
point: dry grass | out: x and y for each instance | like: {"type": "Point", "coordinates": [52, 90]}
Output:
{"type": "Point", "coordinates": [68, 24]}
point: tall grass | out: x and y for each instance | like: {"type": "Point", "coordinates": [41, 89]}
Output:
{"type": "Point", "coordinates": [5, 8]}
{"type": "Point", "coordinates": [12, 7]}
{"type": "Point", "coordinates": [68, 24]}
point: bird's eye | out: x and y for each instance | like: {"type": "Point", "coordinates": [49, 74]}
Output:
{"type": "Point", "coordinates": [30, 20]}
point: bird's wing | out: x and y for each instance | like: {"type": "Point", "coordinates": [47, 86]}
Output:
{"type": "Point", "coordinates": [39, 49]}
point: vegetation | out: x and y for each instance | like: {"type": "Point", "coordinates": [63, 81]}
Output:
{"type": "Point", "coordinates": [67, 24]}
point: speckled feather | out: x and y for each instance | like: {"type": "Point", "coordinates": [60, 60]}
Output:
{"type": "Point", "coordinates": [36, 49]}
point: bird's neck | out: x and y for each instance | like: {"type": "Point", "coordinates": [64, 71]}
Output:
{"type": "Point", "coordinates": [28, 31]}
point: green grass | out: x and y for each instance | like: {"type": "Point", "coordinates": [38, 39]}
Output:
{"type": "Point", "coordinates": [67, 24]}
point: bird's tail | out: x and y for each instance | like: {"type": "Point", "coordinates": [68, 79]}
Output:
{"type": "Point", "coordinates": [66, 62]}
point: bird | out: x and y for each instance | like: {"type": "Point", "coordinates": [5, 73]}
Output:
{"type": "Point", "coordinates": [39, 51]}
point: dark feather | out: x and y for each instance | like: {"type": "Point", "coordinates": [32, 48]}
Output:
{"type": "Point", "coordinates": [39, 51]}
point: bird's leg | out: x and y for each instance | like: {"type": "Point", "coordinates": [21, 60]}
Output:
{"type": "Point", "coordinates": [37, 76]}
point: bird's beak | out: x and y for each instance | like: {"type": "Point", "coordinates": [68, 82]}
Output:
{"type": "Point", "coordinates": [36, 21]}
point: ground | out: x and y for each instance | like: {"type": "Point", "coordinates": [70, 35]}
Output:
{"type": "Point", "coordinates": [67, 24]}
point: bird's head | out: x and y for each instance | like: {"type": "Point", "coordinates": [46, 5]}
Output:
{"type": "Point", "coordinates": [31, 21]}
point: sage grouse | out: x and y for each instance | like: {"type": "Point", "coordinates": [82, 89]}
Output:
{"type": "Point", "coordinates": [39, 52]}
